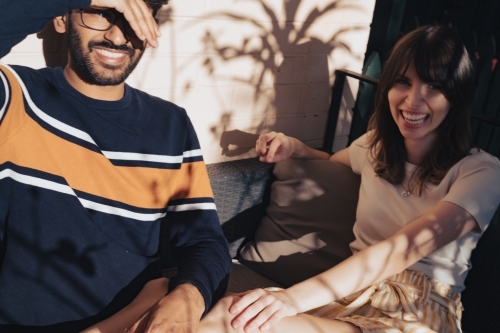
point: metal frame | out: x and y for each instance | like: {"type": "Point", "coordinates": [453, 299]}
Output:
{"type": "Point", "coordinates": [333, 112]}
{"type": "Point", "coordinates": [337, 91]}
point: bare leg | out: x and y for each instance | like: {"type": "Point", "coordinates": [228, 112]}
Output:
{"type": "Point", "coordinates": [218, 320]}
{"type": "Point", "coordinates": [150, 294]}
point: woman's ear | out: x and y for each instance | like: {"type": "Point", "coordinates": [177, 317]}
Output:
{"type": "Point", "coordinates": [60, 23]}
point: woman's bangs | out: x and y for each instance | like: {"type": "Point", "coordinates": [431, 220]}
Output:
{"type": "Point", "coordinates": [431, 64]}
{"type": "Point", "coordinates": [401, 63]}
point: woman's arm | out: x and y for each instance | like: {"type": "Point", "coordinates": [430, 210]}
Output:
{"type": "Point", "coordinates": [274, 147]}
{"type": "Point", "coordinates": [441, 225]}
{"type": "Point", "coordinates": [342, 156]}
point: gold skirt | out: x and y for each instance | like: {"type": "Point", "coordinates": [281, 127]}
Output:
{"type": "Point", "coordinates": [408, 302]}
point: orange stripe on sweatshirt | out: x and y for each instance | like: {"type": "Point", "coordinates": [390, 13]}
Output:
{"type": "Point", "coordinates": [34, 147]}
{"type": "Point", "coordinates": [91, 172]}
{"type": "Point", "coordinates": [12, 121]}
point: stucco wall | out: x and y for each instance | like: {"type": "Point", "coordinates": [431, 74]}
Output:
{"type": "Point", "coordinates": [242, 67]}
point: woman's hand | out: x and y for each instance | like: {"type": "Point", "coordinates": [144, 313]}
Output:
{"type": "Point", "coordinates": [273, 147]}
{"type": "Point", "coordinates": [260, 309]}
{"type": "Point", "coordinates": [138, 15]}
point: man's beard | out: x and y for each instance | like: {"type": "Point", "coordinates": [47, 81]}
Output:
{"type": "Point", "coordinates": [86, 69]}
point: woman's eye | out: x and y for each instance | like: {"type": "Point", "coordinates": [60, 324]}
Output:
{"type": "Point", "coordinates": [436, 87]}
{"type": "Point", "coordinates": [403, 81]}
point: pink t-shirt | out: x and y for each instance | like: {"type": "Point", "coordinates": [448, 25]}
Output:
{"type": "Point", "coordinates": [473, 184]}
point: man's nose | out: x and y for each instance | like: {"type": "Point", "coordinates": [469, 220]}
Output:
{"type": "Point", "coordinates": [116, 34]}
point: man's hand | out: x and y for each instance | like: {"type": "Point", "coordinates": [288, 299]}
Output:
{"type": "Point", "coordinates": [179, 311]}
{"type": "Point", "coordinates": [138, 15]}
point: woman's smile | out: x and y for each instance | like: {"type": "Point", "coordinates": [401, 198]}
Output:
{"type": "Point", "coordinates": [414, 119]}
{"type": "Point", "coordinates": [417, 107]}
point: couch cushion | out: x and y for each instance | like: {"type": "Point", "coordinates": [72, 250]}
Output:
{"type": "Point", "coordinates": [243, 278]}
{"type": "Point", "coordinates": [308, 223]}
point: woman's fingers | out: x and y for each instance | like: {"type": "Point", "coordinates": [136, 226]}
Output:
{"type": "Point", "coordinates": [273, 147]}
{"type": "Point", "coordinates": [247, 318]}
{"type": "Point", "coordinates": [262, 143]}
{"type": "Point", "coordinates": [276, 147]}
{"type": "Point", "coordinates": [266, 318]}
{"type": "Point", "coordinates": [245, 300]}
{"type": "Point", "coordinates": [259, 309]}
{"type": "Point", "coordinates": [249, 308]}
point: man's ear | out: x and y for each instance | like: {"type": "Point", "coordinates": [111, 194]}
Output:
{"type": "Point", "coordinates": [60, 23]}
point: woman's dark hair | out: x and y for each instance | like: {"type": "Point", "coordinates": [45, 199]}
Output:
{"type": "Point", "coordinates": [155, 5]}
{"type": "Point", "coordinates": [438, 56]}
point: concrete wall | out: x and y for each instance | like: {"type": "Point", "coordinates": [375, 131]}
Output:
{"type": "Point", "coordinates": [243, 67]}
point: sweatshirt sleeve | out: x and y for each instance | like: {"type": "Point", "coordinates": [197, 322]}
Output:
{"type": "Point", "coordinates": [197, 241]}
{"type": "Point", "coordinates": [20, 18]}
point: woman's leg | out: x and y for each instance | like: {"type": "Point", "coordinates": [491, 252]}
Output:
{"type": "Point", "coordinates": [149, 295]}
{"type": "Point", "coordinates": [218, 320]}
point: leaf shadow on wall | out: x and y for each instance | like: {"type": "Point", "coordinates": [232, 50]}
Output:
{"type": "Point", "coordinates": [289, 54]}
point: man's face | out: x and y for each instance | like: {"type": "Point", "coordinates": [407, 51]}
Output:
{"type": "Point", "coordinates": [103, 58]}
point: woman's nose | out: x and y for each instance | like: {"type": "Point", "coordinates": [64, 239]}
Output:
{"type": "Point", "coordinates": [415, 96]}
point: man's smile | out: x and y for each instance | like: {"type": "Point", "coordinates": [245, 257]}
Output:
{"type": "Point", "coordinates": [112, 57]}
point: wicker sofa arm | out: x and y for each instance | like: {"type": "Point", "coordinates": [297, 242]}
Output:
{"type": "Point", "coordinates": [241, 193]}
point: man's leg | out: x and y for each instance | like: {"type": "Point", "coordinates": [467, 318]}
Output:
{"type": "Point", "coordinates": [150, 294]}
{"type": "Point", "coordinates": [218, 320]}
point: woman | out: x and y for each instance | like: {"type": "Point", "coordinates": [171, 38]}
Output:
{"type": "Point", "coordinates": [425, 199]}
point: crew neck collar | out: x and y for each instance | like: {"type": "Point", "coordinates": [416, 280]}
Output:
{"type": "Point", "coordinates": [410, 166]}
{"type": "Point", "coordinates": [91, 102]}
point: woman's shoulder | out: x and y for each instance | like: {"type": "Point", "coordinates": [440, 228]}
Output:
{"type": "Point", "coordinates": [477, 155]}
{"type": "Point", "coordinates": [359, 153]}
{"type": "Point", "coordinates": [478, 159]}
{"type": "Point", "coordinates": [363, 141]}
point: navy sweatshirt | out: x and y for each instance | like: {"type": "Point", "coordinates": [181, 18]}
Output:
{"type": "Point", "coordinates": [84, 186]}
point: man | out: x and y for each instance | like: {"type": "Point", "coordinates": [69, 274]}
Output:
{"type": "Point", "coordinates": [89, 167]}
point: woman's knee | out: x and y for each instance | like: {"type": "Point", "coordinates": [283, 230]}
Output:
{"type": "Point", "coordinates": [218, 318]}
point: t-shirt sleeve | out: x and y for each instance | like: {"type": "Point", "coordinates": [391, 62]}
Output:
{"type": "Point", "coordinates": [476, 188]}
{"type": "Point", "coordinates": [358, 151]}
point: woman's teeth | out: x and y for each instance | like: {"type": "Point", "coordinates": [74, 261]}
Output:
{"type": "Point", "coordinates": [414, 119]}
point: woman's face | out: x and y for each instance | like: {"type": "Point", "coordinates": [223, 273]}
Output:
{"type": "Point", "coordinates": [418, 108]}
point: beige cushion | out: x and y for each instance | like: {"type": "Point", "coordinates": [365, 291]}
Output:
{"type": "Point", "coordinates": [308, 224]}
